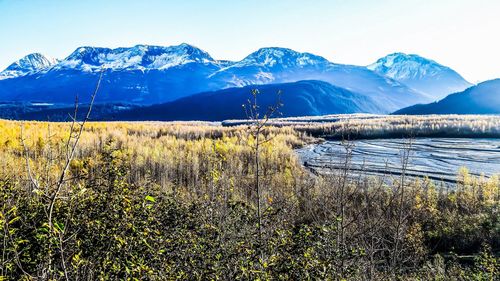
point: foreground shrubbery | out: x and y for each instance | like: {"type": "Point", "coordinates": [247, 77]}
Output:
{"type": "Point", "coordinates": [165, 203]}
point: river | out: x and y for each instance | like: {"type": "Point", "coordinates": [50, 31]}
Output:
{"type": "Point", "coordinates": [436, 158]}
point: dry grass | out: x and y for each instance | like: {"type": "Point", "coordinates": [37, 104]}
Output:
{"type": "Point", "coordinates": [180, 155]}
{"type": "Point", "coordinates": [391, 126]}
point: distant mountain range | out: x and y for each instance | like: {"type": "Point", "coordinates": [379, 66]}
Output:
{"type": "Point", "coordinates": [481, 99]}
{"type": "Point", "coordinates": [281, 65]}
{"type": "Point", "coordinates": [141, 75]}
{"type": "Point", "coordinates": [303, 98]}
{"type": "Point", "coordinates": [150, 75]}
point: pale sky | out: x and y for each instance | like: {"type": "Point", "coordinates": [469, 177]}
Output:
{"type": "Point", "coordinates": [461, 34]}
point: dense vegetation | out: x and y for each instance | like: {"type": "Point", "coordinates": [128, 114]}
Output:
{"type": "Point", "coordinates": [165, 201]}
{"type": "Point", "coordinates": [57, 112]}
{"type": "Point", "coordinates": [368, 126]}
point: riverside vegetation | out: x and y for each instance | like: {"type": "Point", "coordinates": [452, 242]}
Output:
{"type": "Point", "coordinates": [163, 201]}
{"type": "Point", "coordinates": [370, 126]}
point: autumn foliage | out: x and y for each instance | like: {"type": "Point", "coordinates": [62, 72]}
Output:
{"type": "Point", "coordinates": [163, 201]}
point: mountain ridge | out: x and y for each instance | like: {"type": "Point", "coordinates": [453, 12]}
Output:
{"type": "Point", "coordinates": [138, 57]}
{"type": "Point", "coordinates": [308, 97]}
{"type": "Point", "coordinates": [146, 74]}
{"type": "Point", "coordinates": [483, 98]}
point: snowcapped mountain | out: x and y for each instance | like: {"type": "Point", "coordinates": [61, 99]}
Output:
{"type": "Point", "coordinates": [141, 75]}
{"type": "Point", "coordinates": [421, 74]}
{"type": "Point", "coordinates": [268, 65]}
{"type": "Point", "coordinates": [146, 75]}
{"type": "Point", "coordinates": [281, 58]}
{"type": "Point", "coordinates": [29, 64]}
{"type": "Point", "coordinates": [140, 57]}
{"type": "Point", "coordinates": [281, 65]}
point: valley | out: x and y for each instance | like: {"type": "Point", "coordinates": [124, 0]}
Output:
{"type": "Point", "coordinates": [249, 140]}
{"type": "Point", "coordinates": [179, 185]}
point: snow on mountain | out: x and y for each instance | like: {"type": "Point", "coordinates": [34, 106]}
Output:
{"type": "Point", "coordinates": [270, 65]}
{"type": "Point", "coordinates": [141, 75]}
{"type": "Point", "coordinates": [281, 65]}
{"type": "Point", "coordinates": [140, 57]}
{"type": "Point", "coordinates": [27, 65]}
{"type": "Point", "coordinates": [400, 66]}
{"type": "Point", "coordinates": [225, 63]}
{"type": "Point", "coordinates": [281, 57]}
{"type": "Point", "coordinates": [424, 75]}
{"type": "Point", "coordinates": [147, 75]}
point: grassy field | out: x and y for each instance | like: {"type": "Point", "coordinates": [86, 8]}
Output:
{"type": "Point", "coordinates": [197, 201]}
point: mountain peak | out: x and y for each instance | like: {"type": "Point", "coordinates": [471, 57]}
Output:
{"type": "Point", "coordinates": [399, 65]}
{"type": "Point", "coordinates": [275, 51]}
{"type": "Point", "coordinates": [186, 46]}
{"type": "Point", "coordinates": [28, 64]}
{"type": "Point", "coordinates": [194, 52]}
{"type": "Point", "coordinates": [422, 74]}
{"type": "Point", "coordinates": [88, 55]}
{"type": "Point", "coordinates": [272, 56]}
{"type": "Point", "coordinates": [140, 57]}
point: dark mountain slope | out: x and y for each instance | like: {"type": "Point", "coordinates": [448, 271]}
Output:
{"type": "Point", "coordinates": [298, 99]}
{"type": "Point", "coordinates": [481, 99]}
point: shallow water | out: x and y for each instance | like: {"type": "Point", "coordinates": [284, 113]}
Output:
{"type": "Point", "coordinates": [438, 159]}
